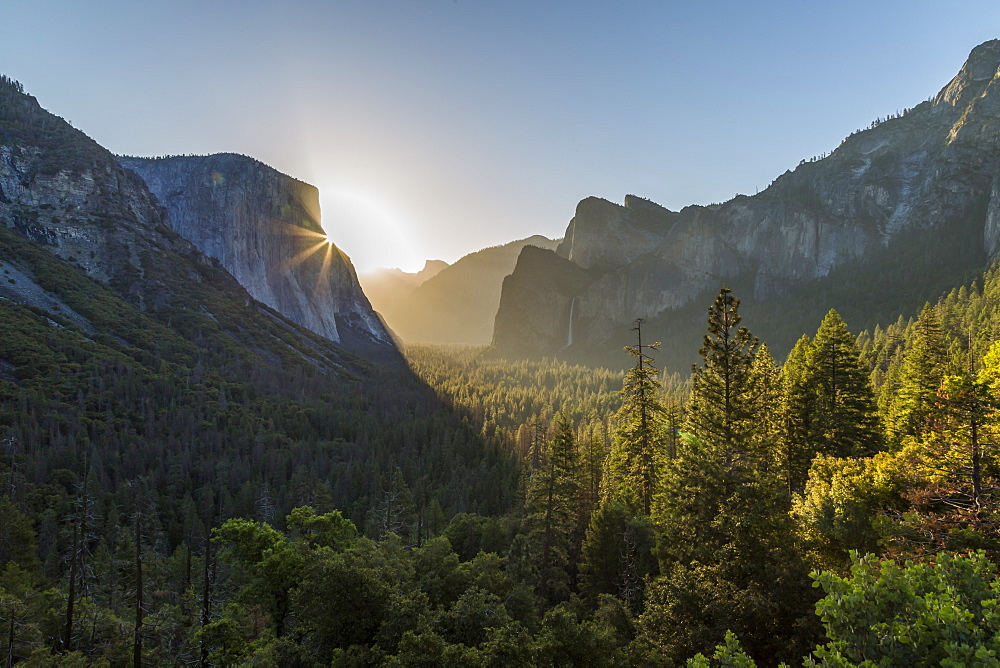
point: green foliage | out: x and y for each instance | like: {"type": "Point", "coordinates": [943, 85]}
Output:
{"type": "Point", "coordinates": [636, 459]}
{"type": "Point", "coordinates": [799, 406]}
{"type": "Point", "coordinates": [924, 614]}
{"type": "Point", "coordinates": [845, 422]}
{"type": "Point", "coordinates": [923, 370]}
{"type": "Point", "coordinates": [841, 508]}
{"type": "Point", "coordinates": [17, 538]}
{"type": "Point", "coordinates": [617, 554]}
{"type": "Point", "coordinates": [722, 407]}
{"type": "Point", "coordinates": [728, 655]}
{"type": "Point", "coordinates": [550, 513]}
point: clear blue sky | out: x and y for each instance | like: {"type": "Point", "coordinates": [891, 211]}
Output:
{"type": "Point", "coordinates": [437, 127]}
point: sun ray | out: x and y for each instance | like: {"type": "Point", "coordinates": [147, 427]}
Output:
{"type": "Point", "coordinates": [295, 230]}
{"type": "Point", "coordinates": [325, 269]}
{"type": "Point", "coordinates": [305, 254]}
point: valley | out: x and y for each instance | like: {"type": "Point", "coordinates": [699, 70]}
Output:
{"type": "Point", "coordinates": [759, 432]}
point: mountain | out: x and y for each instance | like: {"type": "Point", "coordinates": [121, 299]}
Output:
{"type": "Point", "coordinates": [264, 228]}
{"type": "Point", "coordinates": [908, 207]}
{"type": "Point", "coordinates": [386, 288]}
{"type": "Point", "coordinates": [458, 303]}
{"type": "Point", "coordinates": [135, 365]}
{"type": "Point", "coordinates": [62, 190]}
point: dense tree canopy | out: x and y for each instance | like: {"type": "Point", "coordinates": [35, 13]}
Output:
{"type": "Point", "coordinates": [168, 503]}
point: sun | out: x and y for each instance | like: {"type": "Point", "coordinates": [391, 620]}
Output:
{"type": "Point", "coordinates": [369, 227]}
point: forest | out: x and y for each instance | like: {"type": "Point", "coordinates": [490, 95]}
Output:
{"type": "Point", "coordinates": [167, 502]}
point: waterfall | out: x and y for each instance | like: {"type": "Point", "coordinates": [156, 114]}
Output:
{"type": "Point", "coordinates": [569, 332]}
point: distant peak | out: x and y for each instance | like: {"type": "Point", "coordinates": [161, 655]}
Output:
{"type": "Point", "coordinates": [983, 61]}
{"type": "Point", "coordinates": [430, 265]}
{"type": "Point", "coordinates": [980, 68]}
{"type": "Point", "coordinates": [431, 269]}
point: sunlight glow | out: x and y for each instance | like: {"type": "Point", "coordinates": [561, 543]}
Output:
{"type": "Point", "coordinates": [375, 234]}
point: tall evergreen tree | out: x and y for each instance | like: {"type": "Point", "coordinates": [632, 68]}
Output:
{"type": "Point", "coordinates": [923, 371]}
{"type": "Point", "coordinates": [799, 412]}
{"type": "Point", "coordinates": [765, 440]}
{"type": "Point", "coordinates": [723, 398]}
{"type": "Point", "coordinates": [846, 423]}
{"type": "Point", "coordinates": [637, 456]}
{"type": "Point", "coordinates": [725, 540]}
{"type": "Point", "coordinates": [551, 511]}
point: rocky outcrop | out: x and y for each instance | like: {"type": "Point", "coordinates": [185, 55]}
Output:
{"type": "Point", "coordinates": [934, 167]}
{"type": "Point", "coordinates": [60, 188]}
{"type": "Point", "coordinates": [264, 228]}
{"type": "Point", "coordinates": [539, 309]}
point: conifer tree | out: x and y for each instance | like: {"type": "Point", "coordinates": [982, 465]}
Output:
{"type": "Point", "coordinates": [551, 505]}
{"type": "Point", "coordinates": [799, 412]}
{"type": "Point", "coordinates": [725, 540]}
{"type": "Point", "coordinates": [846, 423]}
{"type": "Point", "coordinates": [724, 428]}
{"type": "Point", "coordinates": [723, 398]}
{"type": "Point", "coordinates": [637, 455]}
{"type": "Point", "coordinates": [923, 371]}
{"type": "Point", "coordinates": [766, 438]}
{"type": "Point", "coordinates": [617, 554]}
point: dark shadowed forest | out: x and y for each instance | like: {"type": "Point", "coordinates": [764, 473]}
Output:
{"type": "Point", "coordinates": [165, 504]}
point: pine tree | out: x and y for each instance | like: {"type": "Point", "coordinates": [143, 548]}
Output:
{"type": "Point", "coordinates": [846, 423]}
{"type": "Point", "coordinates": [799, 412]}
{"type": "Point", "coordinates": [723, 398]}
{"type": "Point", "coordinates": [766, 437]}
{"type": "Point", "coordinates": [637, 456]}
{"type": "Point", "coordinates": [724, 537]}
{"type": "Point", "coordinates": [550, 509]}
{"type": "Point", "coordinates": [923, 371]}
{"type": "Point", "coordinates": [617, 554]}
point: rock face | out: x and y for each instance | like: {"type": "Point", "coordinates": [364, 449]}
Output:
{"type": "Point", "coordinates": [60, 188]}
{"type": "Point", "coordinates": [264, 228]}
{"type": "Point", "coordinates": [934, 169]}
{"type": "Point", "coordinates": [457, 304]}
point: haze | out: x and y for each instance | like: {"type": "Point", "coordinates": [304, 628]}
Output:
{"type": "Point", "coordinates": [434, 129]}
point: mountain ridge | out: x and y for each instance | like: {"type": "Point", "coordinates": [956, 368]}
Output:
{"type": "Point", "coordinates": [457, 304]}
{"type": "Point", "coordinates": [931, 167]}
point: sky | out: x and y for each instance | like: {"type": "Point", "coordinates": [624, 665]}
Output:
{"type": "Point", "coordinates": [434, 128]}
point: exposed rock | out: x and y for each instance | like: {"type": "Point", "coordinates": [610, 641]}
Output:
{"type": "Point", "coordinates": [64, 190]}
{"type": "Point", "coordinates": [264, 228]}
{"type": "Point", "coordinates": [71, 198]}
{"type": "Point", "coordinates": [534, 316]}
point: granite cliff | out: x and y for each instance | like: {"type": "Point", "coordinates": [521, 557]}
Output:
{"type": "Point", "coordinates": [264, 228]}
{"type": "Point", "coordinates": [922, 187]}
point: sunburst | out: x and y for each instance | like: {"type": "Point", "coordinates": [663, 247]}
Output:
{"type": "Point", "coordinates": [320, 240]}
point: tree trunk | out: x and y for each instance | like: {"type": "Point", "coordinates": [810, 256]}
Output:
{"type": "Point", "coordinates": [67, 644]}
{"type": "Point", "coordinates": [137, 634]}
{"type": "Point", "coordinates": [206, 600]}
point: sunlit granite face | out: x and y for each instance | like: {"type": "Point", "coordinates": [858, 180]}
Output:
{"type": "Point", "coordinates": [264, 228]}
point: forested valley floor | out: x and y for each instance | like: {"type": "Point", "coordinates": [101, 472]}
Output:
{"type": "Point", "coordinates": [168, 503]}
